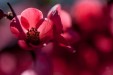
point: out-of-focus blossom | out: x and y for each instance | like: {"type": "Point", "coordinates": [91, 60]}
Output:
{"type": "Point", "coordinates": [106, 69]}
{"type": "Point", "coordinates": [85, 72]}
{"type": "Point", "coordinates": [103, 43]}
{"type": "Point", "coordinates": [111, 22]}
{"type": "Point", "coordinates": [43, 64]}
{"type": "Point", "coordinates": [29, 72]}
{"type": "Point", "coordinates": [111, 13]}
{"type": "Point", "coordinates": [25, 60]}
{"type": "Point", "coordinates": [8, 63]}
{"type": "Point", "coordinates": [89, 57]}
{"type": "Point", "coordinates": [85, 12]}
{"type": "Point", "coordinates": [60, 67]}
{"type": "Point", "coordinates": [111, 28]}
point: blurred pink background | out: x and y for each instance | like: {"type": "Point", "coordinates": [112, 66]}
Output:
{"type": "Point", "coordinates": [88, 27]}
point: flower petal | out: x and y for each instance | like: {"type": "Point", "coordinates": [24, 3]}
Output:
{"type": "Point", "coordinates": [45, 30]}
{"type": "Point", "coordinates": [33, 16]}
{"type": "Point", "coordinates": [63, 42]}
{"type": "Point", "coordinates": [15, 31]}
{"type": "Point", "coordinates": [24, 23]}
{"type": "Point", "coordinates": [28, 46]}
{"type": "Point", "coordinates": [16, 28]}
{"type": "Point", "coordinates": [55, 18]}
{"type": "Point", "coordinates": [54, 8]}
{"type": "Point", "coordinates": [66, 20]}
{"type": "Point", "coordinates": [24, 45]}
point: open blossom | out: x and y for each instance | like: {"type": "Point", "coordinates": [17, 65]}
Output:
{"type": "Point", "coordinates": [59, 23]}
{"type": "Point", "coordinates": [33, 30]}
{"type": "Point", "coordinates": [65, 17]}
{"type": "Point", "coordinates": [30, 28]}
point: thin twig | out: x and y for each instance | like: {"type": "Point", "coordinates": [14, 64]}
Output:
{"type": "Point", "coordinates": [14, 14]}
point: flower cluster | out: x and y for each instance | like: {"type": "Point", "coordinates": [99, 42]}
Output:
{"type": "Point", "coordinates": [33, 30]}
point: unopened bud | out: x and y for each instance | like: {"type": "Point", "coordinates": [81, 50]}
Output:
{"type": "Point", "coordinates": [10, 15]}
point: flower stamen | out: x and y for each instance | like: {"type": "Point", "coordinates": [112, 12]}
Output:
{"type": "Point", "coordinates": [33, 36]}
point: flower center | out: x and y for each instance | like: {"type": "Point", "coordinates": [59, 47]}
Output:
{"type": "Point", "coordinates": [33, 36]}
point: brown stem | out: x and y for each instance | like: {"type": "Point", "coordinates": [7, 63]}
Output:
{"type": "Point", "coordinates": [14, 14]}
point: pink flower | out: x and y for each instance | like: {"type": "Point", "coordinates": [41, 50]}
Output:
{"type": "Point", "coordinates": [60, 24]}
{"type": "Point", "coordinates": [30, 28]}
{"type": "Point", "coordinates": [33, 30]}
{"type": "Point", "coordinates": [55, 16]}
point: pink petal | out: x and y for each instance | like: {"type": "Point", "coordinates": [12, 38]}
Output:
{"type": "Point", "coordinates": [55, 18]}
{"type": "Point", "coordinates": [24, 23]}
{"type": "Point", "coordinates": [28, 46]}
{"type": "Point", "coordinates": [33, 16]}
{"type": "Point", "coordinates": [45, 29]}
{"type": "Point", "coordinates": [63, 42]}
{"type": "Point", "coordinates": [16, 28]}
{"type": "Point", "coordinates": [54, 8]}
{"type": "Point", "coordinates": [15, 31]}
{"type": "Point", "coordinates": [66, 20]}
{"type": "Point", "coordinates": [24, 45]}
